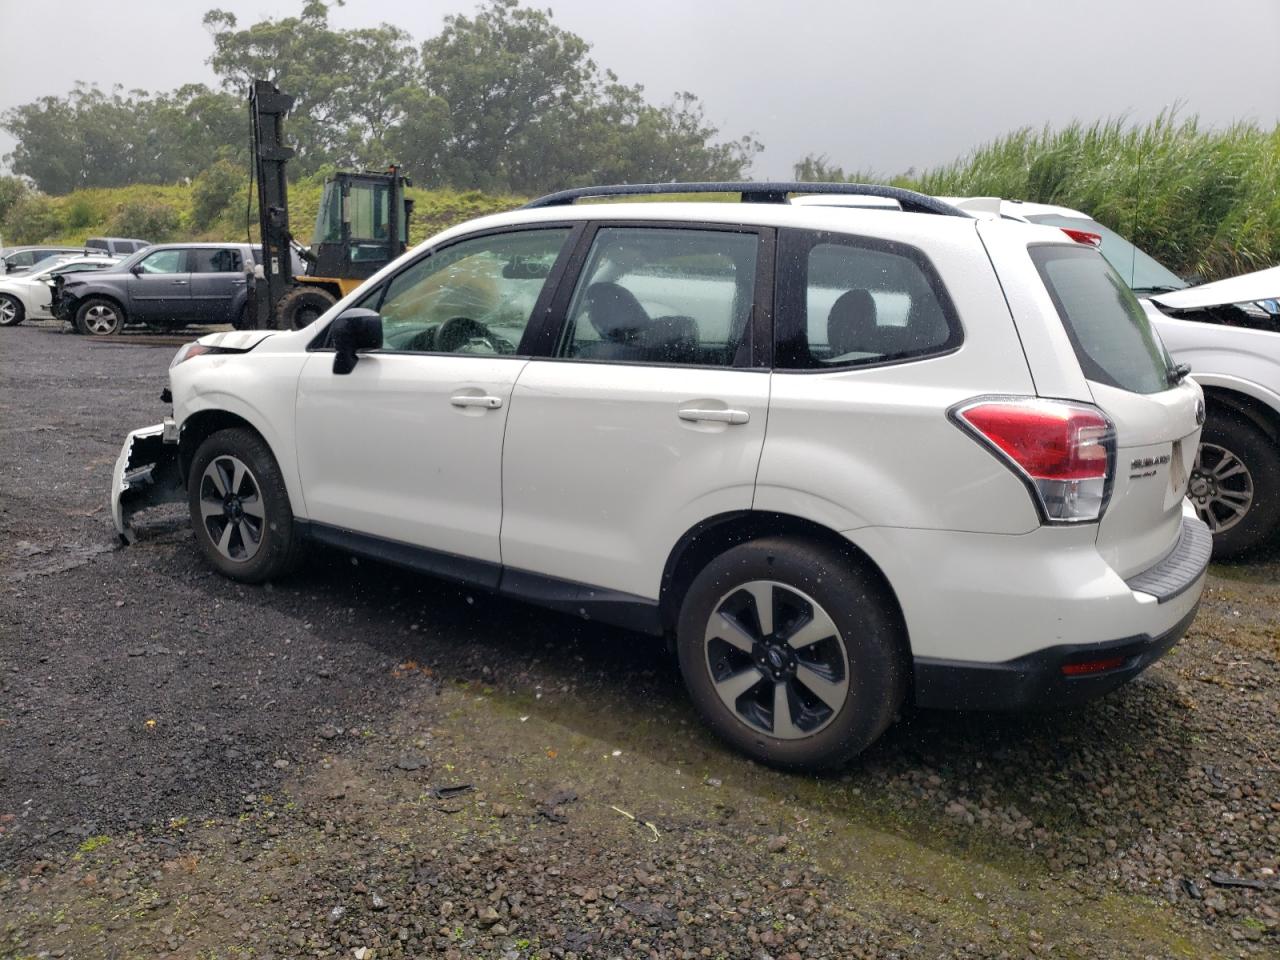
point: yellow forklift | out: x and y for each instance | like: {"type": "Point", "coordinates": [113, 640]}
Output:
{"type": "Point", "coordinates": [362, 225]}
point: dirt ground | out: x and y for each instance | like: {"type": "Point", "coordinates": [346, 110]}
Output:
{"type": "Point", "coordinates": [359, 762]}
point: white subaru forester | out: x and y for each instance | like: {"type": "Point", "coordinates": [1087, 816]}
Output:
{"type": "Point", "coordinates": [845, 458]}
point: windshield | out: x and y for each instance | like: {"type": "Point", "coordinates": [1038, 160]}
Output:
{"type": "Point", "coordinates": [1141, 271]}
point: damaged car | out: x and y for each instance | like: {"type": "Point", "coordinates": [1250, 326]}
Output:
{"type": "Point", "coordinates": [971, 493]}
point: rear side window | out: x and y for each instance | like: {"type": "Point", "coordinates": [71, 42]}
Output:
{"type": "Point", "coordinates": [663, 295]}
{"type": "Point", "coordinates": [1107, 326]}
{"type": "Point", "coordinates": [95, 245]}
{"type": "Point", "coordinates": [847, 301]}
{"type": "Point", "coordinates": [227, 260]}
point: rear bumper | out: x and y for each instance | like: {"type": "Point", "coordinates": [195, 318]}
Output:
{"type": "Point", "coordinates": [147, 473]}
{"type": "Point", "coordinates": [1037, 680]}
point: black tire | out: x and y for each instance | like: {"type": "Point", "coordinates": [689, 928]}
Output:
{"type": "Point", "coordinates": [277, 549]}
{"type": "Point", "coordinates": [100, 317]}
{"type": "Point", "coordinates": [868, 646]}
{"type": "Point", "coordinates": [1231, 436]}
{"type": "Point", "coordinates": [301, 305]}
{"type": "Point", "coordinates": [241, 321]}
{"type": "Point", "coordinates": [12, 312]}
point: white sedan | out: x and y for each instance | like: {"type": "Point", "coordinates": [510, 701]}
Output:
{"type": "Point", "coordinates": [30, 295]}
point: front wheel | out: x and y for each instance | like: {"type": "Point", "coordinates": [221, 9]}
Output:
{"type": "Point", "coordinates": [791, 653]}
{"type": "Point", "coordinates": [12, 312]}
{"type": "Point", "coordinates": [240, 507]}
{"type": "Point", "coordinates": [1235, 485]}
{"type": "Point", "coordinates": [99, 317]}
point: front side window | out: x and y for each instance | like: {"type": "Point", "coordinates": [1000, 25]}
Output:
{"type": "Point", "coordinates": [851, 302]}
{"type": "Point", "coordinates": [475, 296]}
{"type": "Point", "coordinates": [163, 261]}
{"type": "Point", "coordinates": [663, 295]}
{"type": "Point", "coordinates": [216, 261]}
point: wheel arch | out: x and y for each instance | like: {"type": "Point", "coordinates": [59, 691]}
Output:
{"type": "Point", "coordinates": [1254, 411]}
{"type": "Point", "coordinates": [713, 536]}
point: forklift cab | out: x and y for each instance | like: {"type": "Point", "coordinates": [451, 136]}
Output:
{"type": "Point", "coordinates": [362, 224]}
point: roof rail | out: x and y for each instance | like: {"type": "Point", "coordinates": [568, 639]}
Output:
{"type": "Point", "coordinates": [765, 191]}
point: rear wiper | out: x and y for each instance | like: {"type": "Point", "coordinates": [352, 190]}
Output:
{"type": "Point", "coordinates": [1156, 288]}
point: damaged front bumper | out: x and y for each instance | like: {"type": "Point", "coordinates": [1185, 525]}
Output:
{"type": "Point", "coordinates": [147, 473]}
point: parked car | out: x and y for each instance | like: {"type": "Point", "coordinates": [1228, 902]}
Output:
{"type": "Point", "coordinates": [19, 259]}
{"type": "Point", "coordinates": [169, 286]}
{"type": "Point", "coordinates": [1229, 334]}
{"type": "Point", "coordinates": [28, 295]}
{"type": "Point", "coordinates": [116, 246]}
{"type": "Point", "coordinates": [971, 492]}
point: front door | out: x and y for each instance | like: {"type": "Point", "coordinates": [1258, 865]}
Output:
{"type": "Point", "coordinates": [651, 415]}
{"type": "Point", "coordinates": [405, 451]}
{"type": "Point", "coordinates": [160, 288]}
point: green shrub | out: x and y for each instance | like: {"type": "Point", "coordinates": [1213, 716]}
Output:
{"type": "Point", "coordinates": [12, 189]}
{"type": "Point", "coordinates": [214, 191]}
{"type": "Point", "coordinates": [33, 218]}
{"type": "Point", "coordinates": [153, 220]}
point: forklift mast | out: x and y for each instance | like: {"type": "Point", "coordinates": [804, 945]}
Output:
{"type": "Point", "coordinates": [268, 107]}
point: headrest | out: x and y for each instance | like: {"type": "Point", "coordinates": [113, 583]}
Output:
{"type": "Point", "coordinates": [614, 311]}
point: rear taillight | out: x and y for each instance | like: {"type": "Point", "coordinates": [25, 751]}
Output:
{"type": "Point", "coordinates": [1084, 236]}
{"type": "Point", "coordinates": [1063, 451]}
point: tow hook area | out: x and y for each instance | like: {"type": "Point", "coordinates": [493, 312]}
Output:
{"type": "Point", "coordinates": [147, 474]}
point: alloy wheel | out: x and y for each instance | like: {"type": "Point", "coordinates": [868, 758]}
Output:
{"type": "Point", "coordinates": [1220, 486]}
{"type": "Point", "coordinates": [776, 659]}
{"type": "Point", "coordinates": [8, 311]}
{"type": "Point", "coordinates": [232, 508]}
{"type": "Point", "coordinates": [100, 319]}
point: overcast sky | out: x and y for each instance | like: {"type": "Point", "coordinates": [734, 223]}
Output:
{"type": "Point", "coordinates": [878, 85]}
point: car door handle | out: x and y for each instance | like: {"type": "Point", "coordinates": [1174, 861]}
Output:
{"type": "Point", "coordinates": [714, 416]}
{"type": "Point", "coordinates": [238, 283]}
{"type": "Point", "coordinates": [466, 400]}
{"type": "Point", "coordinates": [180, 283]}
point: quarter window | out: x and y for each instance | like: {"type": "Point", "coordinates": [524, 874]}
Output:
{"type": "Point", "coordinates": [851, 302]}
{"type": "Point", "coordinates": [660, 295]}
{"type": "Point", "coordinates": [475, 296]}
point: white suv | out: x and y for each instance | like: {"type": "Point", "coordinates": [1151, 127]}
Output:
{"type": "Point", "coordinates": [845, 459]}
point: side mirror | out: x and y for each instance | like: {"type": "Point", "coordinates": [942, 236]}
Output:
{"type": "Point", "coordinates": [136, 269]}
{"type": "Point", "coordinates": [353, 330]}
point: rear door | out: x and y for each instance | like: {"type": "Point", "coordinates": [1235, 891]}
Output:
{"type": "Point", "coordinates": [160, 287]}
{"type": "Point", "coordinates": [1157, 415]}
{"type": "Point", "coordinates": [218, 283]}
{"type": "Point", "coordinates": [649, 414]}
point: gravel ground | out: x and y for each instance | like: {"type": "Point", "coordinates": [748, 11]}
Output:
{"type": "Point", "coordinates": [357, 762]}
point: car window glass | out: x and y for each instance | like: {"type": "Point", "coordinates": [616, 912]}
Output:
{"type": "Point", "coordinates": [162, 261]}
{"type": "Point", "coordinates": [475, 296]}
{"type": "Point", "coordinates": [663, 295]}
{"type": "Point", "coordinates": [226, 260]}
{"type": "Point", "coordinates": [95, 244]}
{"type": "Point", "coordinates": [860, 304]}
{"type": "Point", "coordinates": [1108, 328]}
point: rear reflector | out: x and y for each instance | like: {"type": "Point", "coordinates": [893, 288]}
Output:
{"type": "Point", "coordinates": [1092, 666]}
{"type": "Point", "coordinates": [1084, 236]}
{"type": "Point", "coordinates": [1065, 452]}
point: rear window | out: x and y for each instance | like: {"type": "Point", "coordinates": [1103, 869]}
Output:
{"type": "Point", "coordinates": [95, 244]}
{"type": "Point", "coordinates": [1107, 326]}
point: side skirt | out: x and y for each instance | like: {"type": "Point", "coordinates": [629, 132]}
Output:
{"type": "Point", "coordinates": [581, 600]}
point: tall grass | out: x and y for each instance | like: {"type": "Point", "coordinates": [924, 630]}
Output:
{"type": "Point", "coordinates": [1202, 201]}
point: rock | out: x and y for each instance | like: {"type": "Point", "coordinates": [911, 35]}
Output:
{"type": "Point", "coordinates": [487, 917]}
{"type": "Point", "coordinates": [281, 764]}
{"type": "Point", "coordinates": [777, 844]}
{"type": "Point", "coordinates": [337, 913]}
{"type": "Point", "coordinates": [376, 902]}
{"type": "Point", "coordinates": [410, 762]}
{"type": "Point", "coordinates": [329, 732]}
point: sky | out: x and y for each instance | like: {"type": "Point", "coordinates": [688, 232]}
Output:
{"type": "Point", "coordinates": [880, 86]}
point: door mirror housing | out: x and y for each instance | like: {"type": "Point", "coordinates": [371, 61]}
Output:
{"type": "Point", "coordinates": [354, 330]}
{"type": "Point", "coordinates": [136, 269]}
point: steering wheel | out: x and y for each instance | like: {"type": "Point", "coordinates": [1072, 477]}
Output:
{"type": "Point", "coordinates": [458, 331]}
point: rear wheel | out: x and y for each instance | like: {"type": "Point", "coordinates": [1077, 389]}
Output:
{"type": "Point", "coordinates": [240, 509]}
{"type": "Point", "coordinates": [12, 312]}
{"type": "Point", "coordinates": [98, 317]}
{"type": "Point", "coordinates": [1235, 485]}
{"type": "Point", "coordinates": [302, 305]}
{"type": "Point", "coordinates": [791, 653]}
